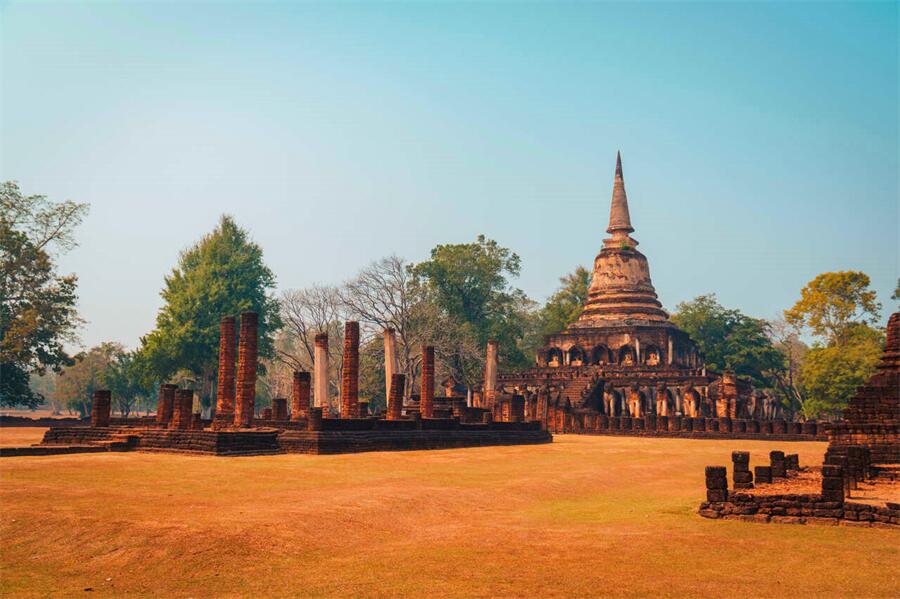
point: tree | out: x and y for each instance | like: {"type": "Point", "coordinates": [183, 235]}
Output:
{"type": "Point", "coordinates": [222, 274]}
{"type": "Point", "coordinates": [566, 304]}
{"type": "Point", "coordinates": [126, 378]}
{"type": "Point", "coordinates": [76, 384]}
{"type": "Point", "coordinates": [896, 294]}
{"type": "Point", "coordinates": [838, 308]}
{"type": "Point", "coordinates": [470, 283]}
{"type": "Point", "coordinates": [37, 312]}
{"type": "Point", "coordinates": [832, 373]}
{"type": "Point", "coordinates": [834, 302]}
{"type": "Point", "coordinates": [730, 340]}
{"type": "Point", "coordinates": [305, 313]}
{"type": "Point", "coordinates": [788, 381]}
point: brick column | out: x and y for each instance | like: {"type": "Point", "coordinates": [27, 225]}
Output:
{"type": "Point", "coordinates": [776, 460]}
{"type": "Point", "coordinates": [395, 401]}
{"type": "Point", "coordinates": [100, 408]}
{"type": "Point", "coordinates": [184, 408]}
{"type": "Point", "coordinates": [491, 365]}
{"type": "Point", "coordinates": [225, 387]}
{"type": "Point", "coordinates": [763, 474]}
{"type": "Point", "coordinates": [743, 478]}
{"type": "Point", "coordinates": [246, 370]}
{"type": "Point", "coordinates": [716, 484]}
{"type": "Point", "coordinates": [350, 371]}
{"type": "Point", "coordinates": [279, 409]}
{"type": "Point", "coordinates": [320, 367]}
{"type": "Point", "coordinates": [391, 366]}
{"type": "Point", "coordinates": [426, 398]}
{"type": "Point", "coordinates": [832, 483]}
{"type": "Point", "coordinates": [300, 395]}
{"type": "Point", "coordinates": [166, 404]}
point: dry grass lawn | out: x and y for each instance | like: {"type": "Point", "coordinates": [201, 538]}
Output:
{"type": "Point", "coordinates": [584, 516]}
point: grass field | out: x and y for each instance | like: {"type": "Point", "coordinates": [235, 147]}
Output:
{"type": "Point", "coordinates": [584, 516]}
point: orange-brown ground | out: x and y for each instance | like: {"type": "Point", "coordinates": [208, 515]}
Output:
{"type": "Point", "coordinates": [582, 516]}
{"type": "Point", "coordinates": [16, 436]}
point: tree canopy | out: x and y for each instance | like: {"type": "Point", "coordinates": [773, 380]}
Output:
{"type": "Point", "coordinates": [470, 283]}
{"type": "Point", "coordinates": [839, 310]}
{"type": "Point", "coordinates": [729, 339]}
{"type": "Point", "coordinates": [833, 303]}
{"type": "Point", "coordinates": [566, 304]}
{"type": "Point", "coordinates": [38, 313]}
{"type": "Point", "coordinates": [222, 274]}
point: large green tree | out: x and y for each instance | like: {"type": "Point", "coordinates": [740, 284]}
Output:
{"type": "Point", "coordinates": [833, 303]}
{"type": "Point", "coordinates": [729, 339]}
{"type": "Point", "coordinates": [37, 305]}
{"type": "Point", "coordinates": [470, 283]}
{"type": "Point", "coordinates": [566, 304]}
{"type": "Point", "coordinates": [222, 274]}
{"type": "Point", "coordinates": [839, 310]}
{"type": "Point", "coordinates": [89, 371]}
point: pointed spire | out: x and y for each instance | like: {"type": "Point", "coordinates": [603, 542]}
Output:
{"type": "Point", "coordinates": [619, 219]}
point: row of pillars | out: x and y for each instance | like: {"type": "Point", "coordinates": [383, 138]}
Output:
{"type": "Point", "coordinates": [236, 392]}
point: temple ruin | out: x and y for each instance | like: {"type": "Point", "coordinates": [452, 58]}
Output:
{"type": "Point", "coordinates": [624, 368]}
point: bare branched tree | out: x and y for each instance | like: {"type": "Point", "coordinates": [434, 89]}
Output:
{"type": "Point", "coordinates": [381, 296]}
{"type": "Point", "coordinates": [307, 312]}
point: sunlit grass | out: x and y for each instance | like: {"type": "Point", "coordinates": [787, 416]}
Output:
{"type": "Point", "coordinates": [582, 516]}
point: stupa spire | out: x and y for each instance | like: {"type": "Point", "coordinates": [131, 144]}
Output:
{"type": "Point", "coordinates": [619, 217]}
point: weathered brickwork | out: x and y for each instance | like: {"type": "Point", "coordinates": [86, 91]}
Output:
{"type": "Point", "coordinates": [830, 505]}
{"type": "Point", "coordinates": [246, 370]}
{"type": "Point", "coordinates": [624, 358]}
{"type": "Point", "coordinates": [100, 408]}
{"type": "Point", "coordinates": [225, 387]}
{"type": "Point", "coordinates": [872, 418]}
{"type": "Point", "coordinates": [300, 389]}
{"type": "Point", "coordinates": [395, 401]}
{"type": "Point", "coordinates": [350, 371]}
{"type": "Point", "coordinates": [182, 413]}
{"type": "Point", "coordinates": [426, 398]}
{"type": "Point", "coordinates": [165, 404]}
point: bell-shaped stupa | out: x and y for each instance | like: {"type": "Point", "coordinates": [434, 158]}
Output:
{"type": "Point", "coordinates": [621, 290]}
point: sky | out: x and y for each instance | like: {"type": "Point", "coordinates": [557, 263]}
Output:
{"type": "Point", "coordinates": [759, 141]}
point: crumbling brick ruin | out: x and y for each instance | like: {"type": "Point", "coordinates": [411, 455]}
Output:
{"type": "Point", "coordinates": [426, 401]}
{"type": "Point", "coordinates": [246, 370]}
{"type": "Point", "coordinates": [225, 388]}
{"type": "Point", "coordinates": [100, 408]}
{"type": "Point", "coordinates": [350, 372]}
{"type": "Point", "coordinates": [803, 495]}
{"type": "Point", "coordinates": [308, 429]}
{"type": "Point", "coordinates": [300, 395]}
{"type": "Point", "coordinates": [623, 360]}
{"type": "Point", "coordinates": [872, 419]}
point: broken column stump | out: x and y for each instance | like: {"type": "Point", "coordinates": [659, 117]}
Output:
{"type": "Point", "coordinates": [743, 478]}
{"type": "Point", "coordinates": [716, 484]}
{"type": "Point", "coordinates": [100, 408]}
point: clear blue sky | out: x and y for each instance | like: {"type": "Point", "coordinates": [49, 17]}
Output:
{"type": "Point", "coordinates": [760, 141]}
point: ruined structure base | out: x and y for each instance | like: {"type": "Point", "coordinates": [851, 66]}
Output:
{"type": "Point", "coordinates": [399, 436]}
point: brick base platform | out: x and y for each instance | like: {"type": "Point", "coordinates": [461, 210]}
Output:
{"type": "Point", "coordinates": [335, 436]}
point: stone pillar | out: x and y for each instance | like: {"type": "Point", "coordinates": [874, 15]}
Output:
{"type": "Point", "coordinates": [320, 366]}
{"type": "Point", "coordinates": [300, 395]}
{"type": "Point", "coordinates": [314, 421]}
{"type": "Point", "coordinates": [197, 421]}
{"type": "Point", "coordinates": [184, 409]}
{"type": "Point", "coordinates": [279, 409]}
{"type": "Point", "coordinates": [832, 483]}
{"type": "Point", "coordinates": [743, 478]}
{"type": "Point", "coordinates": [165, 404]}
{"type": "Point", "coordinates": [490, 373]}
{"type": "Point", "coordinates": [225, 386]}
{"type": "Point", "coordinates": [763, 474]}
{"type": "Point", "coordinates": [776, 460]}
{"type": "Point", "coordinates": [729, 394]}
{"type": "Point", "coordinates": [669, 356]}
{"type": "Point", "coordinates": [267, 414]}
{"type": "Point", "coordinates": [395, 401]}
{"type": "Point", "coordinates": [426, 399]}
{"type": "Point", "coordinates": [350, 371]}
{"type": "Point", "coordinates": [716, 484]}
{"type": "Point", "coordinates": [100, 408]}
{"type": "Point", "coordinates": [391, 366]}
{"type": "Point", "coordinates": [246, 371]}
